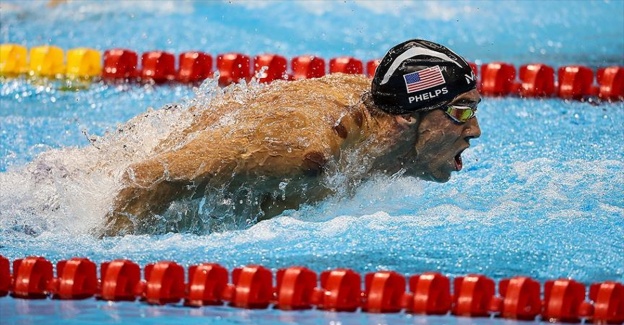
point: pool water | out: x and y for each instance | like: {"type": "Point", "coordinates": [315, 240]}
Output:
{"type": "Point", "coordinates": [540, 194]}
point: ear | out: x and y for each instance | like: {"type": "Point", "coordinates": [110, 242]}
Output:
{"type": "Point", "coordinates": [406, 120]}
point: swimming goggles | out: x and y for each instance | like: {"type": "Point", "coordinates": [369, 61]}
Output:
{"type": "Point", "coordinates": [460, 114]}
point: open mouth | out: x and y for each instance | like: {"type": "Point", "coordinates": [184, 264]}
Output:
{"type": "Point", "coordinates": [459, 164]}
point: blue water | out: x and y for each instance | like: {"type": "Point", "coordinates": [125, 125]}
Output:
{"type": "Point", "coordinates": [540, 195]}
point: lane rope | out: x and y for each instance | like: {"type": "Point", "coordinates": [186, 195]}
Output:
{"type": "Point", "coordinates": [570, 82]}
{"type": "Point", "coordinates": [297, 287]}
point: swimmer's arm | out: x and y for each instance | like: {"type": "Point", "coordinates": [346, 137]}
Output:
{"type": "Point", "coordinates": [148, 187]}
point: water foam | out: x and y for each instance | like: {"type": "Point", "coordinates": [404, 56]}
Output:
{"type": "Point", "coordinates": [70, 189]}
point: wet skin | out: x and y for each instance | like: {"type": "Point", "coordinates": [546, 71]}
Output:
{"type": "Point", "coordinates": [293, 133]}
{"type": "Point", "coordinates": [441, 141]}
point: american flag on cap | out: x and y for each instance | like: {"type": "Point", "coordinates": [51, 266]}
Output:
{"type": "Point", "coordinates": [423, 79]}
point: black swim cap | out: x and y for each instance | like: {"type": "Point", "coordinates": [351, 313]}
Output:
{"type": "Point", "coordinates": [419, 75]}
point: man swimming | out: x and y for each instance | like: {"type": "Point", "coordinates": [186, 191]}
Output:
{"type": "Point", "coordinates": [295, 143]}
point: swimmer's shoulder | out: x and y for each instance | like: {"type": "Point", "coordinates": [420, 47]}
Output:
{"type": "Point", "coordinates": [332, 92]}
{"type": "Point", "coordinates": [340, 84]}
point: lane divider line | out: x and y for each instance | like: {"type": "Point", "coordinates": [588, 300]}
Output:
{"type": "Point", "coordinates": [571, 82]}
{"type": "Point", "coordinates": [297, 287]}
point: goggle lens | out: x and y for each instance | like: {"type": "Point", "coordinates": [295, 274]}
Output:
{"type": "Point", "coordinates": [460, 114]}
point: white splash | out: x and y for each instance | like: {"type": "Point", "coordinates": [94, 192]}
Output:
{"type": "Point", "coordinates": [70, 189]}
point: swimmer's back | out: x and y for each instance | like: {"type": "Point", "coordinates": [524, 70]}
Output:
{"type": "Point", "coordinates": [280, 123]}
{"type": "Point", "coordinates": [317, 99]}
{"type": "Point", "coordinates": [286, 131]}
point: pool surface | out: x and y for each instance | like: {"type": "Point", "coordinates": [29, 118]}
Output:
{"type": "Point", "coordinates": [540, 194]}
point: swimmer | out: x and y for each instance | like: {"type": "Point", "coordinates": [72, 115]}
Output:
{"type": "Point", "coordinates": [415, 118]}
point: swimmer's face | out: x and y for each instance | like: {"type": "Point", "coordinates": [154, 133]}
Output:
{"type": "Point", "coordinates": [441, 140]}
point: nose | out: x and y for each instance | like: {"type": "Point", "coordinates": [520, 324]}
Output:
{"type": "Point", "coordinates": [472, 129]}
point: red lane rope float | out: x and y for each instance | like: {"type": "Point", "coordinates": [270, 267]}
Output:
{"type": "Point", "coordinates": [5, 276]}
{"type": "Point", "coordinates": [194, 67]}
{"type": "Point", "coordinates": [31, 280]}
{"type": "Point", "coordinates": [119, 280]}
{"type": "Point", "coordinates": [346, 64]}
{"type": "Point", "coordinates": [340, 290]}
{"type": "Point", "coordinates": [164, 283]}
{"type": "Point", "coordinates": [384, 292]}
{"type": "Point", "coordinates": [276, 67]}
{"type": "Point", "coordinates": [430, 294]}
{"type": "Point", "coordinates": [497, 79]}
{"type": "Point", "coordinates": [307, 66]}
{"type": "Point", "coordinates": [77, 279]}
{"type": "Point", "coordinates": [521, 298]}
{"type": "Point", "coordinates": [296, 288]}
{"type": "Point", "coordinates": [473, 296]}
{"type": "Point", "coordinates": [233, 67]}
{"type": "Point", "coordinates": [537, 80]}
{"type": "Point", "coordinates": [574, 82]}
{"type": "Point", "coordinates": [120, 64]}
{"type": "Point", "coordinates": [207, 283]}
{"type": "Point", "coordinates": [158, 66]}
